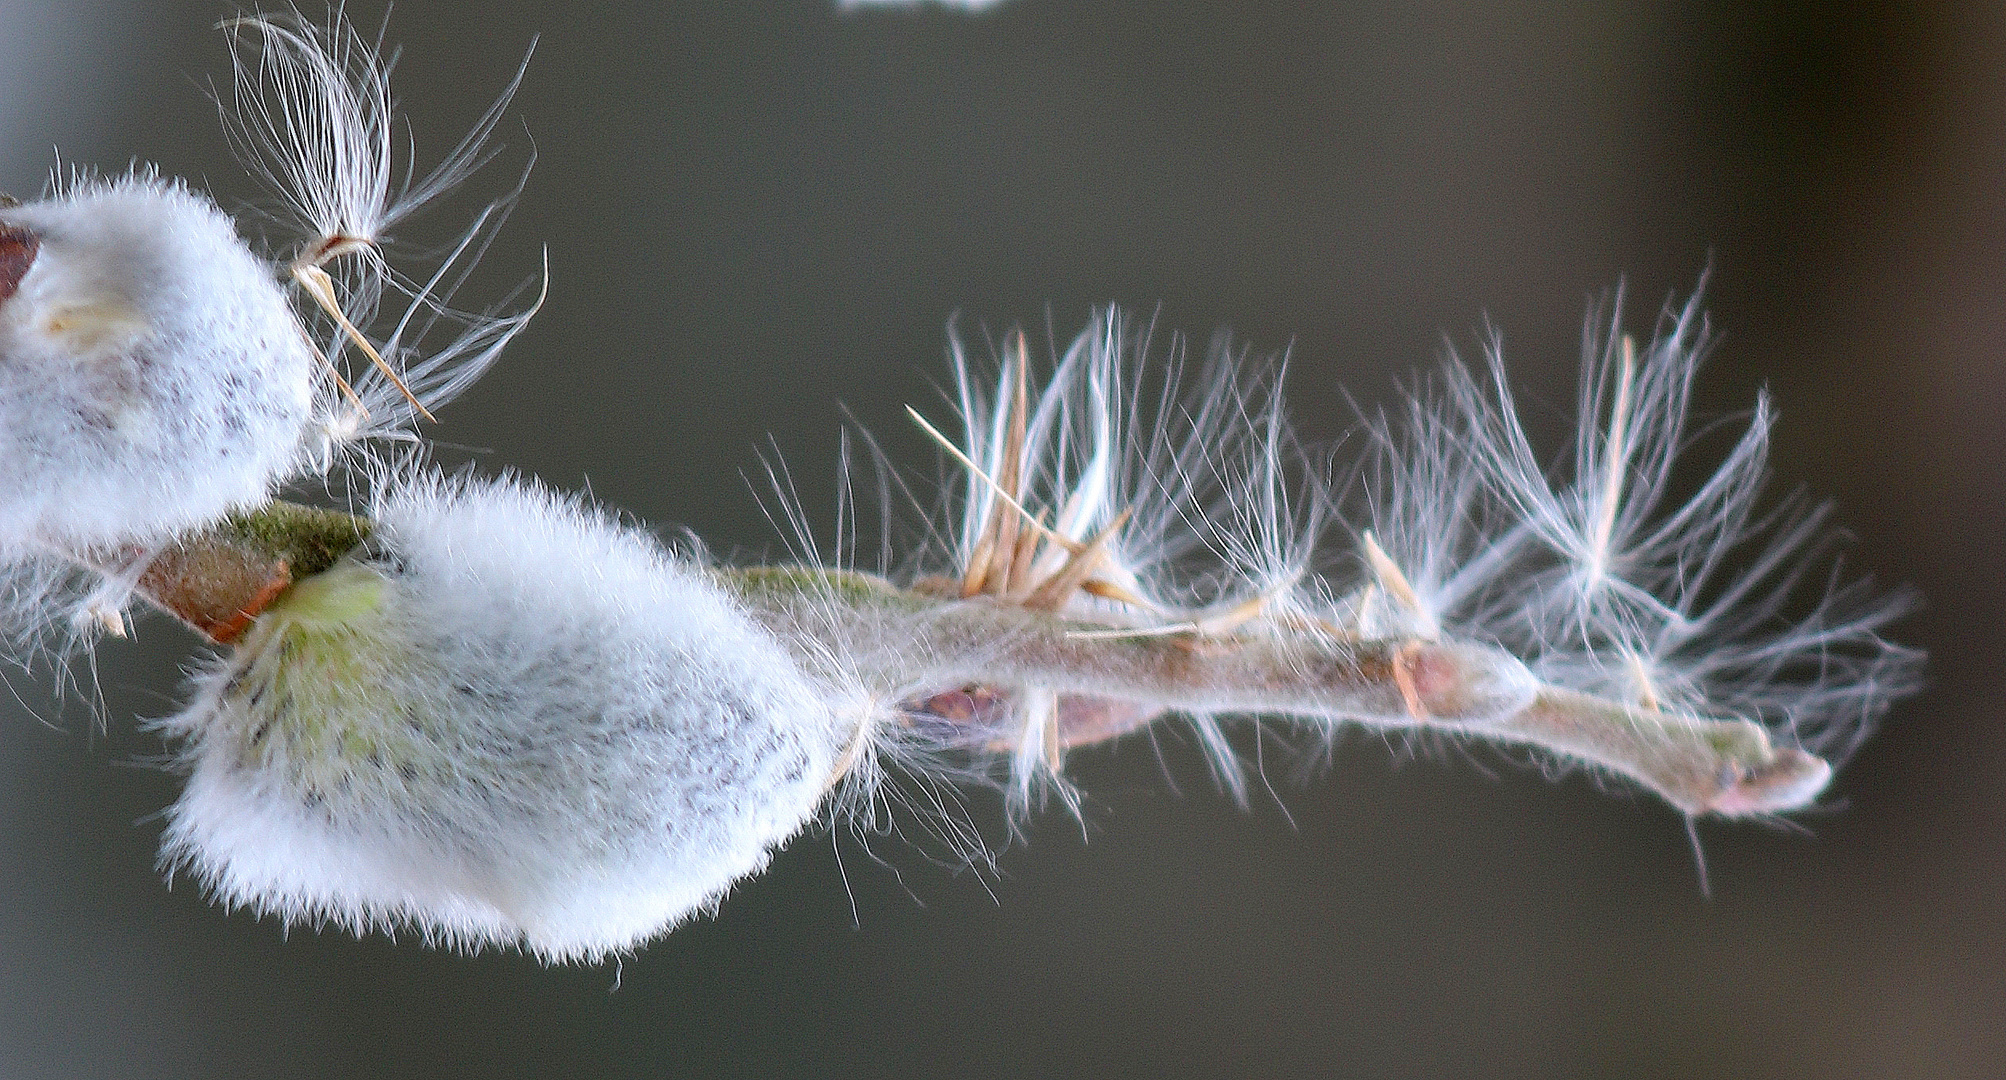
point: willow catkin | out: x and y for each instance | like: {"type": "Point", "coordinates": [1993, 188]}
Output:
{"type": "Point", "coordinates": [152, 373]}
{"type": "Point", "coordinates": [505, 720]}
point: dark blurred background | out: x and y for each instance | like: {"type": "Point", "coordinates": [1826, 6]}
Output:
{"type": "Point", "coordinates": [757, 211]}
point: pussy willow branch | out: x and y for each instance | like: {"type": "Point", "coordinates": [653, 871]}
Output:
{"type": "Point", "coordinates": [913, 645]}
{"type": "Point", "coordinates": [922, 651]}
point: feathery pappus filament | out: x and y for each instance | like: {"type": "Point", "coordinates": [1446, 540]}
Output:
{"type": "Point", "coordinates": [1606, 625]}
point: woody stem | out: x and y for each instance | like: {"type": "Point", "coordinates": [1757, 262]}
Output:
{"type": "Point", "coordinates": [975, 654]}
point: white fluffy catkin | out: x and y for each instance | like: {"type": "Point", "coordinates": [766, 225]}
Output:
{"type": "Point", "coordinates": [152, 374]}
{"type": "Point", "coordinates": [509, 722]}
{"type": "Point", "coordinates": [156, 374]}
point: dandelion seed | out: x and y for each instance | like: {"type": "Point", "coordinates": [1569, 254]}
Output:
{"type": "Point", "coordinates": [1605, 586]}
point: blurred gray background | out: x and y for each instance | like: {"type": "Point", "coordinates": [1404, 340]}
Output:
{"type": "Point", "coordinates": [757, 211]}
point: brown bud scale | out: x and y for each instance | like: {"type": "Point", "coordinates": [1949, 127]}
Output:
{"type": "Point", "coordinates": [18, 248]}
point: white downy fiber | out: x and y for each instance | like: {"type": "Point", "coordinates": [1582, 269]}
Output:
{"type": "Point", "coordinates": [156, 373]}
{"type": "Point", "coordinates": [152, 375]}
{"type": "Point", "coordinates": [509, 722]}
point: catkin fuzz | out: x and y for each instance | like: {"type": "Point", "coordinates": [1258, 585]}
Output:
{"type": "Point", "coordinates": [152, 374]}
{"type": "Point", "coordinates": [508, 721]}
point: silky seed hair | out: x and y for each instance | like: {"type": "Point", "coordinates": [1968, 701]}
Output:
{"type": "Point", "coordinates": [310, 112]}
{"type": "Point", "coordinates": [506, 721]}
{"type": "Point", "coordinates": [1128, 490]}
{"type": "Point", "coordinates": [1729, 601]}
{"type": "Point", "coordinates": [158, 375]}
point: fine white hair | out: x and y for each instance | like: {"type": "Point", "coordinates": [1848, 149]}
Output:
{"type": "Point", "coordinates": [1616, 575]}
{"type": "Point", "coordinates": [510, 721]}
{"type": "Point", "coordinates": [152, 376]}
{"type": "Point", "coordinates": [1210, 516]}
{"type": "Point", "coordinates": [505, 719]}
{"type": "Point", "coordinates": [157, 373]}
{"type": "Point", "coordinates": [310, 111]}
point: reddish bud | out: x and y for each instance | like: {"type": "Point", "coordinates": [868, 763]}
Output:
{"type": "Point", "coordinates": [17, 254]}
